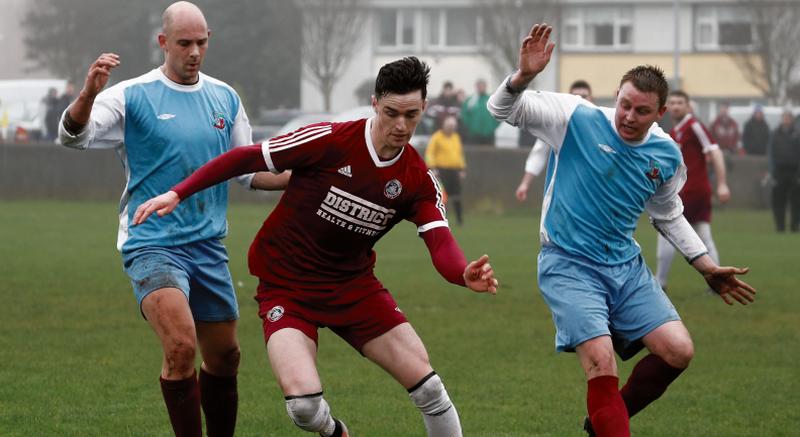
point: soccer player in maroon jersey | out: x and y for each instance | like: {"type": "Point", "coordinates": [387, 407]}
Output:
{"type": "Point", "coordinates": [351, 183]}
{"type": "Point", "coordinates": [697, 148]}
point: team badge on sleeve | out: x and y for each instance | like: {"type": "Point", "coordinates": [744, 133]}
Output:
{"type": "Point", "coordinates": [393, 189]}
{"type": "Point", "coordinates": [275, 313]}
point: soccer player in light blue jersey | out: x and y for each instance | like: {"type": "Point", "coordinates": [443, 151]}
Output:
{"type": "Point", "coordinates": [610, 165]}
{"type": "Point", "coordinates": [164, 125]}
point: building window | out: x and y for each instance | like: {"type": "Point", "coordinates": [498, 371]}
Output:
{"type": "Point", "coordinates": [461, 27]}
{"type": "Point", "coordinates": [723, 27]}
{"type": "Point", "coordinates": [605, 28]}
{"type": "Point", "coordinates": [428, 29]}
{"type": "Point", "coordinates": [396, 28]}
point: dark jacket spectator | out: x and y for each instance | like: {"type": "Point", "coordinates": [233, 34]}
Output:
{"type": "Point", "coordinates": [756, 133]}
{"type": "Point", "coordinates": [784, 166]}
{"type": "Point", "coordinates": [447, 104]}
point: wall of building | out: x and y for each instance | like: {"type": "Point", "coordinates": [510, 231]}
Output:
{"type": "Point", "coordinates": [706, 75]}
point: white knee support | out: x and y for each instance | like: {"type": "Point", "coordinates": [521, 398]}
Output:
{"type": "Point", "coordinates": [310, 412]}
{"type": "Point", "coordinates": [439, 413]}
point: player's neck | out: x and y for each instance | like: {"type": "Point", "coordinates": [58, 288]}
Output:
{"type": "Point", "coordinates": [385, 152]}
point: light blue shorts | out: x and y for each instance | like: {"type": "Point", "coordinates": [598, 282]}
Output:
{"type": "Point", "coordinates": [588, 300]}
{"type": "Point", "coordinates": [199, 269]}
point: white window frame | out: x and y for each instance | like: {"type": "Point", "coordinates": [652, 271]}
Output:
{"type": "Point", "coordinates": [576, 16]}
{"type": "Point", "coordinates": [422, 18]}
{"type": "Point", "coordinates": [398, 45]}
{"type": "Point", "coordinates": [712, 20]}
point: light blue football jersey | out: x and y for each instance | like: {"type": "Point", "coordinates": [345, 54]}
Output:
{"type": "Point", "coordinates": [597, 185]}
{"type": "Point", "coordinates": [164, 131]}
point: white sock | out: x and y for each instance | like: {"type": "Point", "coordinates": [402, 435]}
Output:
{"type": "Point", "coordinates": [439, 414]}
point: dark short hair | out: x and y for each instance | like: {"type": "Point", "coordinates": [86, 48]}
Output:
{"type": "Point", "coordinates": [580, 83]}
{"type": "Point", "coordinates": [403, 76]}
{"type": "Point", "coordinates": [648, 79]}
{"type": "Point", "coordinates": [680, 93]}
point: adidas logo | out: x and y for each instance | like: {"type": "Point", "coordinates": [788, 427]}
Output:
{"type": "Point", "coordinates": [346, 171]}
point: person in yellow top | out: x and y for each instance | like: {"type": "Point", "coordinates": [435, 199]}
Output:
{"type": "Point", "coordinates": [445, 156]}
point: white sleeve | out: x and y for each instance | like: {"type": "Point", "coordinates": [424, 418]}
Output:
{"type": "Point", "coordinates": [705, 140]}
{"type": "Point", "coordinates": [106, 127]}
{"type": "Point", "coordinates": [666, 215]}
{"type": "Point", "coordinates": [544, 114]}
{"type": "Point", "coordinates": [242, 135]}
{"type": "Point", "coordinates": [537, 158]}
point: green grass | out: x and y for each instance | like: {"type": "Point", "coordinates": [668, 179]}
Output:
{"type": "Point", "coordinates": [76, 359]}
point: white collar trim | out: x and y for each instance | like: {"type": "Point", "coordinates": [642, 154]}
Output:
{"type": "Point", "coordinates": [180, 87]}
{"type": "Point", "coordinates": [371, 147]}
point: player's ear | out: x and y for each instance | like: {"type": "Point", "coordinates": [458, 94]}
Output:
{"type": "Point", "coordinates": [424, 105]}
{"type": "Point", "coordinates": [374, 103]}
{"type": "Point", "coordinates": [662, 111]}
{"type": "Point", "coordinates": [162, 39]}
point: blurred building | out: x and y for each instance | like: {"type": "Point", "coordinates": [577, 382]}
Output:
{"type": "Point", "coordinates": [597, 40]}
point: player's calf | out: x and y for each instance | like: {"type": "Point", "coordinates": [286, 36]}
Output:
{"type": "Point", "coordinates": [438, 412]}
{"type": "Point", "coordinates": [312, 413]}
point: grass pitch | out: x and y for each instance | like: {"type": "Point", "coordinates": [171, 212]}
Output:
{"type": "Point", "coordinates": [76, 359]}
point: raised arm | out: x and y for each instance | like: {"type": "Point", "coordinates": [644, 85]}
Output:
{"type": "Point", "coordinates": [239, 161]}
{"type": "Point", "coordinates": [79, 112]}
{"type": "Point", "coordinates": [544, 114]}
{"type": "Point", "coordinates": [95, 119]}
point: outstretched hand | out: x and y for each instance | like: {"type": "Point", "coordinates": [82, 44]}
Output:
{"type": "Point", "coordinates": [535, 52]}
{"type": "Point", "coordinates": [724, 282]}
{"type": "Point", "coordinates": [479, 276]}
{"type": "Point", "coordinates": [162, 205]}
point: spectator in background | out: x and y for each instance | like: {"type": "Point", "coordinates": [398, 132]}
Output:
{"type": "Point", "coordinates": [52, 115]}
{"type": "Point", "coordinates": [445, 157]}
{"type": "Point", "coordinates": [698, 149]}
{"type": "Point", "coordinates": [756, 133]}
{"type": "Point", "coordinates": [725, 130]}
{"type": "Point", "coordinates": [478, 123]}
{"type": "Point", "coordinates": [784, 167]}
{"type": "Point", "coordinates": [446, 104]}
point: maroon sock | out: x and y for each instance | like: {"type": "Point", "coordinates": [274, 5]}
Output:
{"type": "Point", "coordinates": [183, 405]}
{"type": "Point", "coordinates": [648, 381]}
{"type": "Point", "coordinates": [606, 408]}
{"type": "Point", "coordinates": [220, 400]}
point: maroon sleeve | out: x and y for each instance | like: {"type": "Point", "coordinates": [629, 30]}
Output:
{"type": "Point", "coordinates": [238, 161]}
{"type": "Point", "coordinates": [447, 257]}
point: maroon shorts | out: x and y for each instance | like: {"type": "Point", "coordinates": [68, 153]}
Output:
{"type": "Point", "coordinates": [357, 321]}
{"type": "Point", "coordinates": [696, 207]}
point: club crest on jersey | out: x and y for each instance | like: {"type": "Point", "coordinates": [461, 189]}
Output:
{"type": "Point", "coordinates": [219, 120]}
{"type": "Point", "coordinates": [275, 313]}
{"type": "Point", "coordinates": [655, 170]}
{"type": "Point", "coordinates": [393, 189]}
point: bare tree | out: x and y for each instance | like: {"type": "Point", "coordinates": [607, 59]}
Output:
{"type": "Point", "coordinates": [773, 59]}
{"type": "Point", "coordinates": [331, 32]}
{"type": "Point", "coordinates": [505, 24]}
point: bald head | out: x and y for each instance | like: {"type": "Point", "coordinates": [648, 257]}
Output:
{"type": "Point", "coordinates": [182, 14]}
{"type": "Point", "coordinates": [184, 39]}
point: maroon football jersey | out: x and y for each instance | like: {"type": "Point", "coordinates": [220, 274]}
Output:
{"type": "Point", "coordinates": [341, 199]}
{"type": "Point", "coordinates": [695, 142]}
